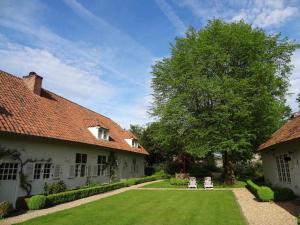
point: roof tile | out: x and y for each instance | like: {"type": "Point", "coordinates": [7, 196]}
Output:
{"type": "Point", "coordinates": [52, 116]}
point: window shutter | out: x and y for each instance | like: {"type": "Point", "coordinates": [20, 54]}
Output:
{"type": "Point", "coordinates": [95, 170]}
{"type": "Point", "coordinates": [56, 173]}
{"type": "Point", "coordinates": [89, 170]}
{"type": "Point", "coordinates": [72, 171]}
{"type": "Point", "coordinates": [29, 170]}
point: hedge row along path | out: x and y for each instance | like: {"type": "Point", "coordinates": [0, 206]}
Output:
{"type": "Point", "coordinates": [36, 213]}
{"type": "Point", "coordinates": [256, 213]}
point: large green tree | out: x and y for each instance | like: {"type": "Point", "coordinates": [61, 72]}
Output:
{"type": "Point", "coordinates": [223, 89]}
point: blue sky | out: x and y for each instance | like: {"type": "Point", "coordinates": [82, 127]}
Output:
{"type": "Point", "coordinates": [99, 53]}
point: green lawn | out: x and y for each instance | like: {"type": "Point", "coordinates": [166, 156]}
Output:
{"type": "Point", "coordinates": [166, 184]}
{"type": "Point", "coordinates": [146, 207]}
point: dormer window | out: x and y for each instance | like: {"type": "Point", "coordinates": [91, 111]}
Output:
{"type": "Point", "coordinates": [135, 143]}
{"type": "Point", "coordinates": [132, 142]}
{"type": "Point", "coordinates": [103, 133]}
{"type": "Point", "coordinates": [100, 133]}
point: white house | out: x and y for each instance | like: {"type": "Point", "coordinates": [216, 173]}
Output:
{"type": "Point", "coordinates": [46, 138]}
{"type": "Point", "coordinates": [281, 156]}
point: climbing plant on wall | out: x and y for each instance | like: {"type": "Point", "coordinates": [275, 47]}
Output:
{"type": "Point", "coordinates": [112, 166]}
{"type": "Point", "coordinates": [16, 156]}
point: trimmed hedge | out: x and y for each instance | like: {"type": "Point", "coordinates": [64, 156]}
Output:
{"type": "Point", "coordinates": [68, 196]}
{"type": "Point", "coordinates": [175, 181]}
{"type": "Point", "coordinates": [133, 181]}
{"type": "Point", "coordinates": [263, 193]}
{"type": "Point", "coordinates": [36, 202]}
{"type": "Point", "coordinates": [5, 209]}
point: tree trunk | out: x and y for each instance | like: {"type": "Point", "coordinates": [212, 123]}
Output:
{"type": "Point", "coordinates": [228, 166]}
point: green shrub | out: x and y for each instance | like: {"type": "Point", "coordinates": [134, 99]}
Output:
{"type": "Point", "coordinates": [263, 193]}
{"type": "Point", "coordinates": [283, 194]}
{"type": "Point", "coordinates": [161, 175]}
{"type": "Point", "coordinates": [299, 220]}
{"type": "Point", "coordinates": [68, 196]}
{"type": "Point", "coordinates": [21, 203]}
{"type": "Point", "coordinates": [5, 209]}
{"type": "Point", "coordinates": [36, 202]}
{"type": "Point", "coordinates": [134, 181]}
{"type": "Point", "coordinates": [129, 182]}
{"type": "Point", "coordinates": [175, 181]}
{"type": "Point", "coordinates": [54, 188]}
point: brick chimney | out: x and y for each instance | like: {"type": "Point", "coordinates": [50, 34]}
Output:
{"type": "Point", "coordinates": [33, 82]}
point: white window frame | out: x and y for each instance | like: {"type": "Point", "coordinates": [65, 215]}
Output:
{"type": "Point", "coordinates": [80, 165]}
{"type": "Point", "coordinates": [40, 173]}
{"type": "Point", "coordinates": [283, 168]}
{"type": "Point", "coordinates": [103, 133]}
{"type": "Point", "coordinates": [8, 171]}
{"type": "Point", "coordinates": [135, 143]}
{"type": "Point", "coordinates": [101, 170]}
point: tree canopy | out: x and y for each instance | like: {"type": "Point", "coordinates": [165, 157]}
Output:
{"type": "Point", "coordinates": [223, 88]}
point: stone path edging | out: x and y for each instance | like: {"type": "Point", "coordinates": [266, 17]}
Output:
{"type": "Point", "coordinates": [36, 213]}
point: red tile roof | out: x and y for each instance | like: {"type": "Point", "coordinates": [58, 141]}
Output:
{"type": "Point", "coordinates": [288, 132]}
{"type": "Point", "coordinates": [52, 116]}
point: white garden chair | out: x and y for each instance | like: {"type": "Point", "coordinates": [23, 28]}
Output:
{"type": "Point", "coordinates": [208, 184]}
{"type": "Point", "coordinates": [192, 182]}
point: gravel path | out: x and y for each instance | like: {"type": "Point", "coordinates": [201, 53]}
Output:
{"type": "Point", "coordinates": [36, 213]}
{"type": "Point", "coordinates": [262, 213]}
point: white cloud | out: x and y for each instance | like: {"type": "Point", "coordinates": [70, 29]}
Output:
{"type": "Point", "coordinates": [68, 81]}
{"type": "Point", "coordinates": [262, 13]}
{"type": "Point", "coordinates": [295, 82]}
{"type": "Point", "coordinates": [98, 75]}
{"type": "Point", "coordinates": [172, 16]}
{"type": "Point", "coordinates": [267, 13]}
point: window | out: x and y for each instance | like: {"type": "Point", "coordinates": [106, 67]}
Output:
{"type": "Point", "coordinates": [47, 170]}
{"type": "Point", "coordinates": [37, 171]}
{"type": "Point", "coordinates": [101, 165]}
{"type": "Point", "coordinates": [135, 143]}
{"type": "Point", "coordinates": [103, 134]}
{"type": "Point", "coordinates": [42, 170]}
{"type": "Point", "coordinates": [81, 160]}
{"type": "Point", "coordinates": [283, 168]}
{"type": "Point", "coordinates": [8, 171]}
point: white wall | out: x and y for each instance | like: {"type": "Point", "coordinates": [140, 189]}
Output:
{"type": "Point", "coordinates": [63, 154]}
{"type": "Point", "coordinates": [292, 149]}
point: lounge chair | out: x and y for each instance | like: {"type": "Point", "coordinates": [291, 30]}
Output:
{"type": "Point", "coordinates": [192, 182]}
{"type": "Point", "coordinates": [208, 184]}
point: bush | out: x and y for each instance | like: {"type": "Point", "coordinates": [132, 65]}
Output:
{"type": "Point", "coordinates": [68, 196]}
{"type": "Point", "coordinates": [283, 194]}
{"type": "Point", "coordinates": [134, 181]}
{"type": "Point", "coordinates": [263, 193]}
{"type": "Point", "coordinates": [161, 175]}
{"type": "Point", "coordinates": [5, 209]}
{"type": "Point", "coordinates": [36, 202]}
{"type": "Point", "coordinates": [54, 188]}
{"type": "Point", "coordinates": [175, 181]}
{"type": "Point", "coordinates": [21, 203]}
